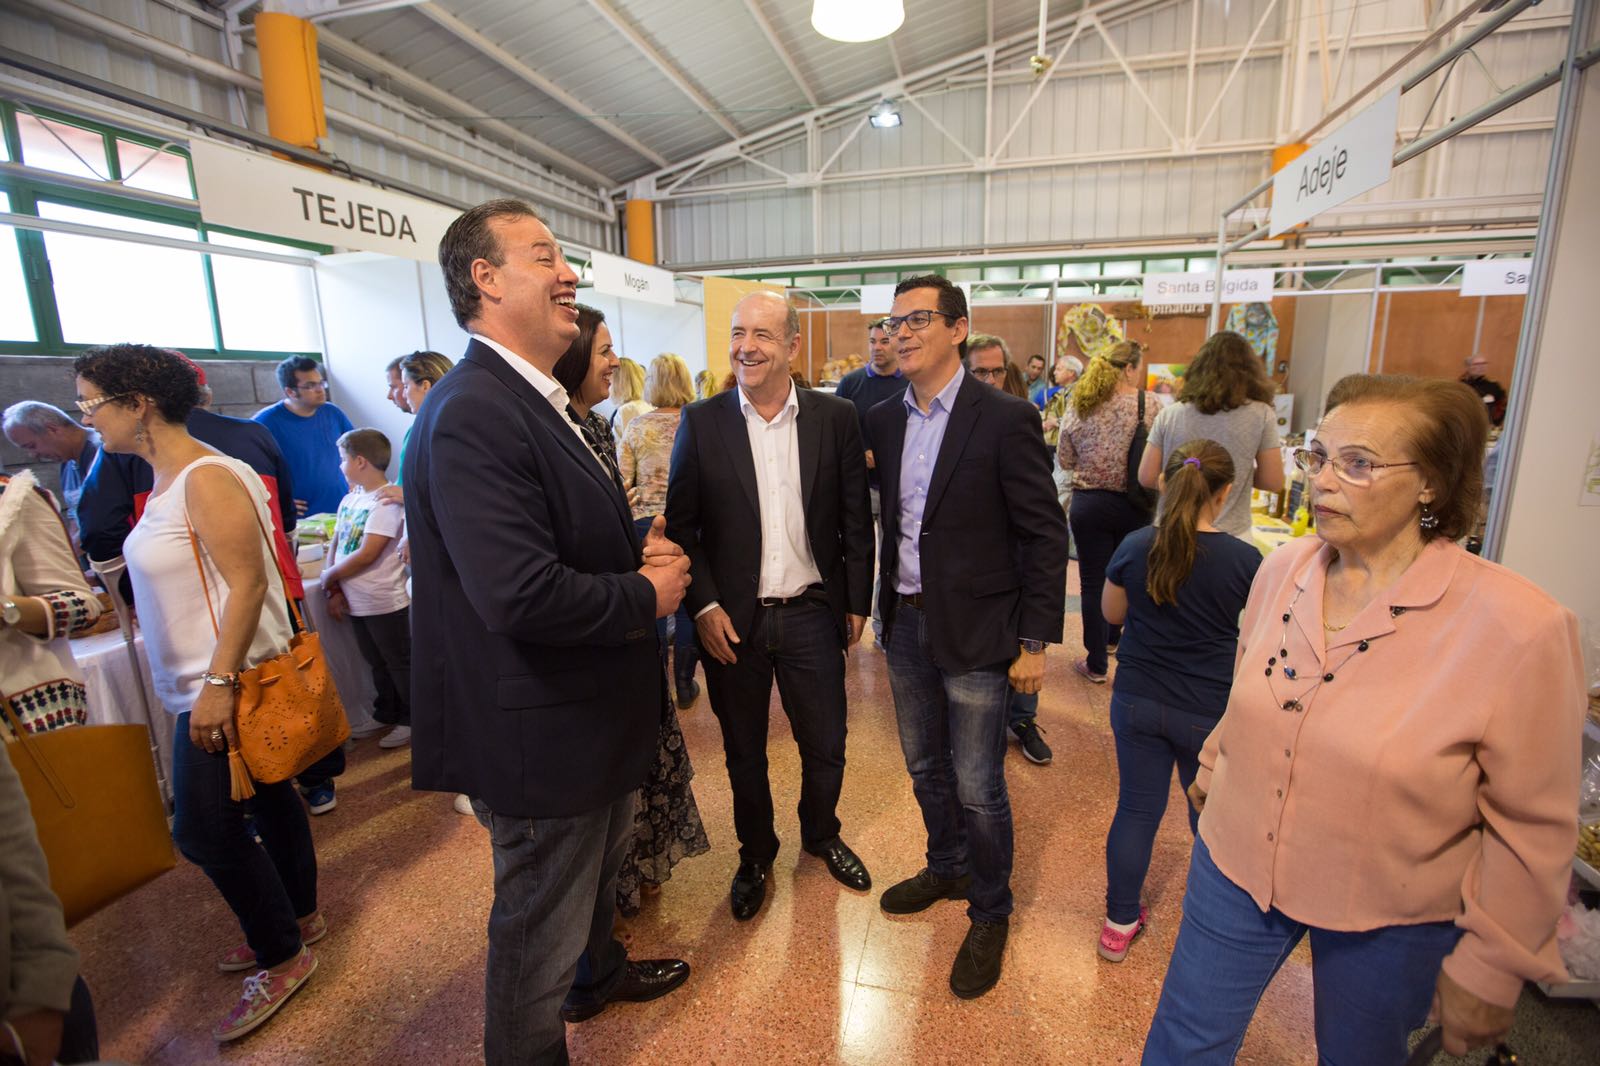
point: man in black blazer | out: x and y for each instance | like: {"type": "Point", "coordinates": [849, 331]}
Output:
{"type": "Point", "coordinates": [973, 585]}
{"type": "Point", "coordinates": [768, 495]}
{"type": "Point", "coordinates": [536, 682]}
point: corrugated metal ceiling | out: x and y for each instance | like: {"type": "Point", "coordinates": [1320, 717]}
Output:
{"type": "Point", "coordinates": [715, 48]}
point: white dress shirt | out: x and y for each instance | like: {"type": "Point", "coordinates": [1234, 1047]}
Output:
{"type": "Point", "coordinates": [545, 386]}
{"type": "Point", "coordinates": [787, 566]}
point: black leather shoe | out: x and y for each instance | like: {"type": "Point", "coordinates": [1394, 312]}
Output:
{"type": "Point", "coordinates": [845, 865]}
{"type": "Point", "coordinates": [749, 889]}
{"type": "Point", "coordinates": [688, 692]}
{"type": "Point", "coordinates": [977, 966]}
{"type": "Point", "coordinates": [923, 891]}
{"type": "Point", "coordinates": [642, 980]}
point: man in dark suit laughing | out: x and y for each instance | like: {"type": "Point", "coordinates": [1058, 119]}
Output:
{"type": "Point", "coordinates": [536, 680]}
{"type": "Point", "coordinates": [768, 495]}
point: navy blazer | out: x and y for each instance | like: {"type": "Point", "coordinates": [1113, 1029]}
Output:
{"type": "Point", "coordinates": [714, 512]}
{"type": "Point", "coordinates": [536, 680]}
{"type": "Point", "coordinates": [994, 538]}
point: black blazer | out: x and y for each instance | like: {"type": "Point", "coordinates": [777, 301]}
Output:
{"type": "Point", "coordinates": [712, 507]}
{"type": "Point", "coordinates": [994, 538]}
{"type": "Point", "coordinates": [536, 682]}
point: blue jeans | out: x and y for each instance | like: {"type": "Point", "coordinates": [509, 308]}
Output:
{"type": "Point", "coordinates": [1021, 707]}
{"type": "Point", "coordinates": [555, 896]}
{"type": "Point", "coordinates": [266, 885]}
{"type": "Point", "coordinates": [685, 644]}
{"type": "Point", "coordinates": [1151, 737]}
{"type": "Point", "coordinates": [953, 735]}
{"type": "Point", "coordinates": [1370, 989]}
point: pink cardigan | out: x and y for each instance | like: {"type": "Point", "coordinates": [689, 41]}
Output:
{"type": "Point", "coordinates": [1435, 779]}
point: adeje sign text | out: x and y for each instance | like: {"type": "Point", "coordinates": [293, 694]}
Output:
{"type": "Point", "coordinates": [1346, 163]}
{"type": "Point", "coordinates": [253, 191]}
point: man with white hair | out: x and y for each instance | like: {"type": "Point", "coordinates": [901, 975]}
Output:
{"type": "Point", "coordinates": [48, 435]}
{"type": "Point", "coordinates": [1475, 376]}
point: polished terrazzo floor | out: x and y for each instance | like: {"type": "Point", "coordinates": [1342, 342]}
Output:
{"type": "Point", "coordinates": [820, 976]}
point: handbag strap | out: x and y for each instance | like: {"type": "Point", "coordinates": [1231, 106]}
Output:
{"type": "Point", "coordinates": [46, 771]}
{"type": "Point", "coordinates": [194, 545]}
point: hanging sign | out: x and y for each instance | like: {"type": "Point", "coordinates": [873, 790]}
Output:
{"type": "Point", "coordinates": [616, 275]}
{"type": "Point", "coordinates": [877, 299]}
{"type": "Point", "coordinates": [1238, 287]}
{"type": "Point", "coordinates": [1346, 163]}
{"type": "Point", "coordinates": [252, 191]}
{"type": "Point", "coordinates": [1495, 277]}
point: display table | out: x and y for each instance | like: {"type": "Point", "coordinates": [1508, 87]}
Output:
{"type": "Point", "coordinates": [351, 674]}
{"type": "Point", "coordinates": [113, 689]}
{"type": "Point", "coordinates": [1269, 533]}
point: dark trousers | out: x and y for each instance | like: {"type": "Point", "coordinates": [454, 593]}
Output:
{"type": "Point", "coordinates": [267, 885]}
{"type": "Point", "coordinates": [385, 642]}
{"type": "Point", "coordinates": [799, 644]}
{"type": "Point", "coordinates": [1151, 739]}
{"type": "Point", "coordinates": [685, 646]}
{"type": "Point", "coordinates": [555, 896]}
{"type": "Point", "coordinates": [1099, 520]}
{"type": "Point", "coordinates": [953, 735]}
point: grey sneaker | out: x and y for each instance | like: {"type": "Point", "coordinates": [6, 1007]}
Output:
{"type": "Point", "coordinates": [1033, 745]}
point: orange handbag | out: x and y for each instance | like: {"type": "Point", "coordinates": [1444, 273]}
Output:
{"type": "Point", "coordinates": [97, 810]}
{"type": "Point", "coordinates": [286, 709]}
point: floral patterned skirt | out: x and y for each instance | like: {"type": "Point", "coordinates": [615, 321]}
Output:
{"type": "Point", "coordinates": [666, 820]}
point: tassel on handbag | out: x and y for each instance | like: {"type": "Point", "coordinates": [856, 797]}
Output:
{"type": "Point", "coordinates": [287, 712]}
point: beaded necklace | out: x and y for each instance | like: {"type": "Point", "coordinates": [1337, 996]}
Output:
{"type": "Point", "coordinates": [1298, 704]}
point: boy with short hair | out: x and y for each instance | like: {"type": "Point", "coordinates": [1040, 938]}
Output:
{"type": "Point", "coordinates": [365, 578]}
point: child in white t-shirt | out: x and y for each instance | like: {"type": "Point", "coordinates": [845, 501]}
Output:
{"type": "Point", "coordinates": [365, 578]}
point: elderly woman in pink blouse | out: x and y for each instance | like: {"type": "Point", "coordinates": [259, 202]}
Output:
{"type": "Point", "coordinates": [1396, 774]}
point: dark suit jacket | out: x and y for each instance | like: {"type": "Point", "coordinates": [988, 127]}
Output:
{"type": "Point", "coordinates": [713, 508]}
{"type": "Point", "coordinates": [994, 538]}
{"type": "Point", "coordinates": [536, 682]}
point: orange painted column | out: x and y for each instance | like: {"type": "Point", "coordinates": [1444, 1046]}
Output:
{"type": "Point", "coordinates": [640, 219]}
{"type": "Point", "coordinates": [291, 80]}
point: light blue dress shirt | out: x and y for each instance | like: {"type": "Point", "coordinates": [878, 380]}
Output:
{"type": "Point", "coordinates": [924, 435]}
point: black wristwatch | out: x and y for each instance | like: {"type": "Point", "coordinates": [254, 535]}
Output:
{"type": "Point", "coordinates": [1032, 647]}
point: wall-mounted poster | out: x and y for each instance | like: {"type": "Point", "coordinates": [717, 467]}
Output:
{"type": "Point", "coordinates": [1165, 380]}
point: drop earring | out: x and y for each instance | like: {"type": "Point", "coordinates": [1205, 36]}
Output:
{"type": "Point", "coordinates": [1429, 521]}
{"type": "Point", "coordinates": [139, 435]}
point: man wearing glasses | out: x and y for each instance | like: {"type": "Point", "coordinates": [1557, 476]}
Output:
{"type": "Point", "coordinates": [974, 583]}
{"type": "Point", "coordinates": [307, 428]}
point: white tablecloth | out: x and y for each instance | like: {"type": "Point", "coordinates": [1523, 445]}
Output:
{"type": "Point", "coordinates": [113, 689]}
{"type": "Point", "coordinates": [351, 674]}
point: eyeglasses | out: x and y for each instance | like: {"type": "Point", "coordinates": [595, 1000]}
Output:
{"type": "Point", "coordinates": [314, 386]}
{"type": "Point", "coordinates": [1357, 470]}
{"type": "Point", "coordinates": [992, 373]}
{"type": "Point", "coordinates": [917, 320]}
{"type": "Point", "coordinates": [89, 407]}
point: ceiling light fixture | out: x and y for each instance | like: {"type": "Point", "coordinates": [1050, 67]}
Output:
{"type": "Point", "coordinates": [854, 21]}
{"type": "Point", "coordinates": [884, 115]}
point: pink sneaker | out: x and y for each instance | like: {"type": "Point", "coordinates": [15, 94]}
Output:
{"type": "Point", "coordinates": [1113, 946]}
{"type": "Point", "coordinates": [1082, 666]}
{"type": "Point", "coordinates": [264, 993]}
{"type": "Point", "coordinates": [241, 958]}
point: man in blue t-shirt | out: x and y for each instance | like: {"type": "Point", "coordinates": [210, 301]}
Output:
{"type": "Point", "coordinates": [307, 428]}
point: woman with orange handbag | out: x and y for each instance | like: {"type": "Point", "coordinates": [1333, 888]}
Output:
{"type": "Point", "coordinates": [138, 397]}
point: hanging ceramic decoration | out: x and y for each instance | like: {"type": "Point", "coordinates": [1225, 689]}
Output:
{"type": "Point", "coordinates": [1259, 326]}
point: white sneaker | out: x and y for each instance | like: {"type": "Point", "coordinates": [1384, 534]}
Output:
{"type": "Point", "coordinates": [463, 805]}
{"type": "Point", "coordinates": [371, 729]}
{"type": "Point", "coordinates": [398, 737]}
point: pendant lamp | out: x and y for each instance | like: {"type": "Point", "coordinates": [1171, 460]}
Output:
{"type": "Point", "coordinates": [853, 21]}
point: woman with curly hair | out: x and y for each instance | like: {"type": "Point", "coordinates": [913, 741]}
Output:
{"type": "Point", "coordinates": [212, 604]}
{"type": "Point", "coordinates": [1227, 398]}
{"type": "Point", "coordinates": [1096, 434]}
